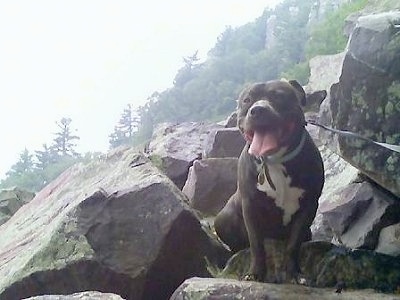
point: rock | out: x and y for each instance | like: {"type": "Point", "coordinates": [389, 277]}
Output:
{"type": "Point", "coordinates": [210, 183]}
{"type": "Point", "coordinates": [90, 295]}
{"type": "Point", "coordinates": [325, 265]}
{"type": "Point", "coordinates": [360, 211]}
{"type": "Point", "coordinates": [366, 99]}
{"type": "Point", "coordinates": [218, 288]}
{"type": "Point", "coordinates": [270, 32]}
{"type": "Point", "coordinates": [321, 8]}
{"type": "Point", "coordinates": [338, 174]}
{"type": "Point", "coordinates": [324, 71]}
{"type": "Point", "coordinates": [389, 240]}
{"type": "Point", "coordinates": [115, 225]}
{"type": "Point", "coordinates": [226, 142]}
{"type": "Point", "coordinates": [12, 200]}
{"type": "Point", "coordinates": [230, 121]}
{"type": "Point", "coordinates": [173, 148]}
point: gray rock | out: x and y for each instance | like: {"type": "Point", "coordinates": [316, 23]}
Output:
{"type": "Point", "coordinates": [338, 174]}
{"type": "Point", "coordinates": [174, 147]}
{"type": "Point", "coordinates": [115, 225]}
{"type": "Point", "coordinates": [359, 214]}
{"type": "Point", "coordinates": [270, 32]}
{"type": "Point", "coordinates": [325, 70]}
{"type": "Point", "coordinates": [226, 142]}
{"type": "Point", "coordinates": [366, 99]}
{"type": "Point", "coordinates": [389, 240]}
{"type": "Point", "coordinates": [89, 295]}
{"type": "Point", "coordinates": [325, 265]}
{"type": "Point", "coordinates": [11, 200]}
{"type": "Point", "coordinates": [210, 183]}
{"type": "Point", "coordinates": [230, 121]}
{"type": "Point", "coordinates": [227, 289]}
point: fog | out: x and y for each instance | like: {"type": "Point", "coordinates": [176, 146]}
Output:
{"type": "Point", "coordinates": [88, 59]}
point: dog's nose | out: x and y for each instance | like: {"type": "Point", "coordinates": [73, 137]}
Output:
{"type": "Point", "coordinates": [256, 110]}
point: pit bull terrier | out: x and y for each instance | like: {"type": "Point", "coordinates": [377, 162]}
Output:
{"type": "Point", "coordinates": [280, 178]}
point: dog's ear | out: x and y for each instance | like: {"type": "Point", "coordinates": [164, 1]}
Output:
{"type": "Point", "coordinates": [301, 94]}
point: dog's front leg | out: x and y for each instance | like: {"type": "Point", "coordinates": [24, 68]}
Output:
{"type": "Point", "coordinates": [300, 232]}
{"type": "Point", "coordinates": [257, 252]}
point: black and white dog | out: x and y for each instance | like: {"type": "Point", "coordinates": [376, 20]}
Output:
{"type": "Point", "coordinates": [280, 177]}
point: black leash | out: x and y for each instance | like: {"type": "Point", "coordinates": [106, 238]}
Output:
{"type": "Point", "coordinates": [392, 147]}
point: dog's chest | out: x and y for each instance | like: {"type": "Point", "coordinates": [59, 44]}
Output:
{"type": "Point", "coordinates": [278, 187]}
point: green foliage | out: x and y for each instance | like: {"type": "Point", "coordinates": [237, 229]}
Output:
{"type": "Point", "coordinates": [208, 90]}
{"type": "Point", "coordinates": [126, 128]}
{"type": "Point", "coordinates": [328, 36]}
{"type": "Point", "coordinates": [64, 142]}
{"type": "Point", "coordinates": [300, 71]}
{"type": "Point", "coordinates": [157, 162]}
{"type": "Point", "coordinates": [33, 172]}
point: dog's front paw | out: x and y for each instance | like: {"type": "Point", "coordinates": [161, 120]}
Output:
{"type": "Point", "coordinates": [256, 271]}
{"type": "Point", "coordinates": [253, 277]}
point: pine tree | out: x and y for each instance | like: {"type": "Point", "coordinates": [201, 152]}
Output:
{"type": "Point", "coordinates": [64, 141]}
{"type": "Point", "coordinates": [45, 157]}
{"type": "Point", "coordinates": [126, 128]}
{"type": "Point", "coordinates": [23, 165]}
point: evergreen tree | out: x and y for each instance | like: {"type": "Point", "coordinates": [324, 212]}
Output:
{"type": "Point", "coordinates": [126, 128]}
{"type": "Point", "coordinates": [188, 71]}
{"type": "Point", "coordinates": [45, 157]}
{"type": "Point", "coordinates": [64, 142]}
{"type": "Point", "coordinates": [23, 165]}
{"type": "Point", "coordinates": [22, 174]}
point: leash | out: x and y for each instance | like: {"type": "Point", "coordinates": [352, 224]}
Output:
{"type": "Point", "coordinates": [395, 148]}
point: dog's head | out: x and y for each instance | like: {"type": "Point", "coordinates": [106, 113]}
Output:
{"type": "Point", "coordinates": [269, 114]}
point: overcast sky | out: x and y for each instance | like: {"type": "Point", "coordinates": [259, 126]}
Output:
{"type": "Point", "coordinates": [87, 59]}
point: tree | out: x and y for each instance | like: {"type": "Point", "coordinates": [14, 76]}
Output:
{"type": "Point", "coordinates": [187, 72]}
{"type": "Point", "coordinates": [126, 128]}
{"type": "Point", "coordinates": [22, 174]}
{"type": "Point", "coordinates": [23, 165]}
{"type": "Point", "coordinates": [64, 141]}
{"type": "Point", "coordinates": [45, 157]}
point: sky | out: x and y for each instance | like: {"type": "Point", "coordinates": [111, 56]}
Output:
{"type": "Point", "coordinates": [88, 59]}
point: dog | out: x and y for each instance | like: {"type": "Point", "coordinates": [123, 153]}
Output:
{"type": "Point", "coordinates": [280, 178]}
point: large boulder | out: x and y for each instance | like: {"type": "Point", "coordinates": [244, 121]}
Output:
{"type": "Point", "coordinates": [11, 200]}
{"type": "Point", "coordinates": [389, 240]}
{"type": "Point", "coordinates": [174, 147]}
{"type": "Point", "coordinates": [366, 100]}
{"type": "Point", "coordinates": [226, 142]}
{"type": "Point", "coordinates": [326, 265]}
{"type": "Point", "coordinates": [338, 175]}
{"type": "Point", "coordinates": [210, 183]}
{"type": "Point", "coordinates": [324, 71]}
{"type": "Point", "coordinates": [90, 295]}
{"type": "Point", "coordinates": [218, 288]}
{"type": "Point", "coordinates": [359, 213]}
{"type": "Point", "coordinates": [116, 225]}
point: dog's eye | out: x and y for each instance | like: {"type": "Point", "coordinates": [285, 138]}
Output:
{"type": "Point", "coordinates": [246, 100]}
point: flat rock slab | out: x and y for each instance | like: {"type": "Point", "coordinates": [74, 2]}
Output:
{"type": "Point", "coordinates": [207, 288]}
{"type": "Point", "coordinates": [79, 296]}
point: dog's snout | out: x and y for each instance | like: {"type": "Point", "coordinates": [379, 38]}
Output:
{"type": "Point", "coordinates": [256, 110]}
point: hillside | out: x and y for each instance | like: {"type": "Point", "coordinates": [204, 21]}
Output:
{"type": "Point", "coordinates": [300, 30]}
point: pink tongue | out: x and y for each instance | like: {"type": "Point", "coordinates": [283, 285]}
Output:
{"type": "Point", "coordinates": [262, 143]}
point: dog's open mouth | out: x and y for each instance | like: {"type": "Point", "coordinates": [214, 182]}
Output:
{"type": "Point", "coordinates": [262, 143]}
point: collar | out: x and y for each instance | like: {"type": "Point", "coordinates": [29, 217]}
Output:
{"type": "Point", "coordinates": [279, 157]}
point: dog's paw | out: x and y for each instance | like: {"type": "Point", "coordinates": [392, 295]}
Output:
{"type": "Point", "coordinates": [252, 277]}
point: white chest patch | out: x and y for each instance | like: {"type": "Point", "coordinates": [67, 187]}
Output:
{"type": "Point", "coordinates": [286, 196]}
